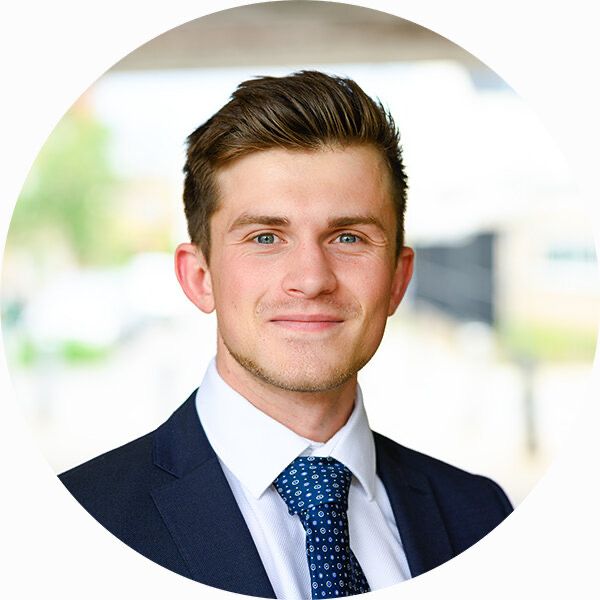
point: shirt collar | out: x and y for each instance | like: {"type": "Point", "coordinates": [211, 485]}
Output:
{"type": "Point", "coordinates": [256, 447]}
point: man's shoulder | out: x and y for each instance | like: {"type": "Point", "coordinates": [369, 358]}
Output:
{"type": "Point", "coordinates": [116, 466]}
{"type": "Point", "coordinates": [452, 483]}
{"type": "Point", "coordinates": [145, 462]}
{"type": "Point", "coordinates": [116, 489]}
{"type": "Point", "coordinates": [441, 510]}
{"type": "Point", "coordinates": [118, 480]}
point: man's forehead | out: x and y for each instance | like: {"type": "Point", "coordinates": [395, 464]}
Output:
{"type": "Point", "coordinates": [278, 187]}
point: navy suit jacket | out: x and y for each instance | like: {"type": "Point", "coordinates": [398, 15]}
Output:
{"type": "Point", "coordinates": [166, 496]}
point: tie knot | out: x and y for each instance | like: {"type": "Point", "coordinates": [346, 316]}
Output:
{"type": "Point", "coordinates": [309, 481]}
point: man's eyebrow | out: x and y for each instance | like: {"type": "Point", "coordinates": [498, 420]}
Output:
{"type": "Point", "coordinates": [348, 221]}
{"type": "Point", "coordinates": [333, 223]}
{"type": "Point", "coordinates": [249, 219]}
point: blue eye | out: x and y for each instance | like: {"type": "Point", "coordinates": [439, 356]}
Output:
{"type": "Point", "coordinates": [265, 238]}
{"type": "Point", "coordinates": [348, 238]}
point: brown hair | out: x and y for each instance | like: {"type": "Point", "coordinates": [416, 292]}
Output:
{"type": "Point", "coordinates": [306, 110]}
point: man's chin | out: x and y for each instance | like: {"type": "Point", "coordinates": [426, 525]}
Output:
{"type": "Point", "coordinates": [303, 384]}
{"type": "Point", "coordinates": [311, 377]}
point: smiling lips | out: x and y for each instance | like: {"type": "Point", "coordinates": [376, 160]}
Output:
{"type": "Point", "coordinates": [307, 322]}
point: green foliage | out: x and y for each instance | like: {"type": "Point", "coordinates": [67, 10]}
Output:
{"type": "Point", "coordinates": [68, 192]}
{"type": "Point", "coordinates": [27, 353]}
{"type": "Point", "coordinates": [77, 352]}
{"type": "Point", "coordinates": [548, 342]}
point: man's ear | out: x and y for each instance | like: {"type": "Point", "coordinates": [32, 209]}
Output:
{"type": "Point", "coordinates": [402, 276]}
{"type": "Point", "coordinates": [193, 275]}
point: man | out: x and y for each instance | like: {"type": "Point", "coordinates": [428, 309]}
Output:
{"type": "Point", "coordinates": [268, 480]}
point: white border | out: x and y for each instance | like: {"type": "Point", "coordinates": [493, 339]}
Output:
{"type": "Point", "coordinates": [51, 51]}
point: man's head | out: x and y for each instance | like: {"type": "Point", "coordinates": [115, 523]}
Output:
{"type": "Point", "coordinates": [296, 189]}
{"type": "Point", "coordinates": [308, 110]}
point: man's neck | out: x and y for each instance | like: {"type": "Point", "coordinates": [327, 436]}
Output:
{"type": "Point", "coordinates": [316, 416]}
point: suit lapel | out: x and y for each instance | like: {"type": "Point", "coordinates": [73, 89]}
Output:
{"type": "Point", "coordinates": [201, 512]}
{"type": "Point", "coordinates": [420, 523]}
{"type": "Point", "coordinates": [209, 530]}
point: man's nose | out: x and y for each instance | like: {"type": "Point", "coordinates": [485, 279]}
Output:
{"type": "Point", "coordinates": [309, 272]}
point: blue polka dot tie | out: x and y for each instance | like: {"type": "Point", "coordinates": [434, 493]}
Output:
{"type": "Point", "coordinates": [316, 489]}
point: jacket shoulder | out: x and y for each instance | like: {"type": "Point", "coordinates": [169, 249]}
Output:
{"type": "Point", "coordinates": [470, 505]}
{"type": "Point", "coordinates": [438, 473]}
{"type": "Point", "coordinates": [111, 471]}
{"type": "Point", "coordinates": [130, 471]}
{"type": "Point", "coordinates": [115, 488]}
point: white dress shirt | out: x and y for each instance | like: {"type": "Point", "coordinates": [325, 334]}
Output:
{"type": "Point", "coordinates": [253, 449]}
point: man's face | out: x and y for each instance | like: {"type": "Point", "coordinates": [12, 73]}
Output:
{"type": "Point", "coordinates": [303, 271]}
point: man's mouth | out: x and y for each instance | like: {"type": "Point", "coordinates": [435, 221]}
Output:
{"type": "Point", "coordinates": [302, 322]}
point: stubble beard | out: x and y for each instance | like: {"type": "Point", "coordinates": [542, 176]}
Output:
{"type": "Point", "coordinates": [304, 370]}
{"type": "Point", "coordinates": [298, 380]}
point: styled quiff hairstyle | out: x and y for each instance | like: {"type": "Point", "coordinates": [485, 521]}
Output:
{"type": "Point", "coordinates": [308, 110]}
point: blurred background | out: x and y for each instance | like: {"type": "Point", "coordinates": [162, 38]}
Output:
{"type": "Point", "coordinates": [487, 360]}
